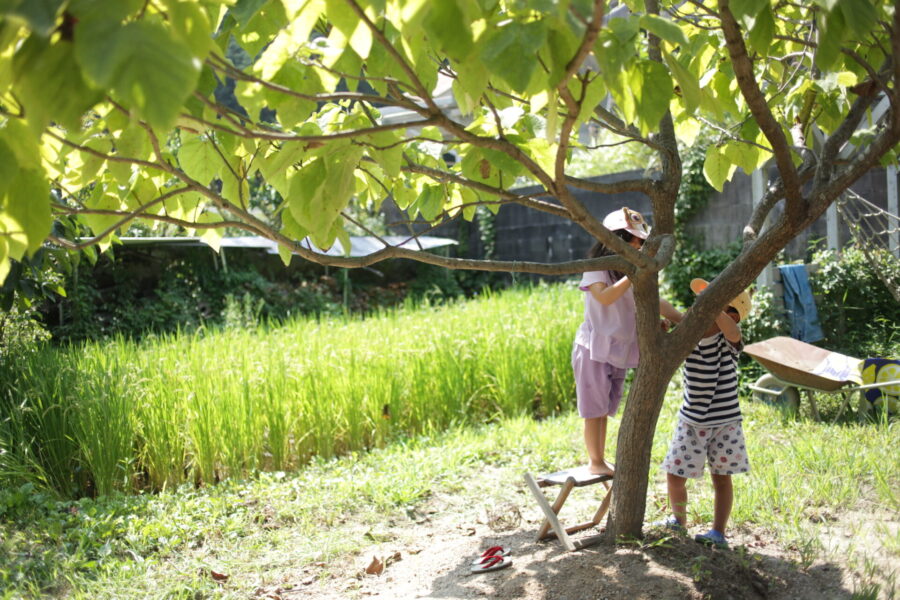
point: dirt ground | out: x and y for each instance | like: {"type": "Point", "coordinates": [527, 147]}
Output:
{"type": "Point", "coordinates": [429, 555]}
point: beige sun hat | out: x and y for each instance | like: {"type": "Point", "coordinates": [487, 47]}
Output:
{"type": "Point", "coordinates": [741, 302]}
{"type": "Point", "coordinates": [630, 220]}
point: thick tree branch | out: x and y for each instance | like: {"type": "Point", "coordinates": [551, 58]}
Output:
{"type": "Point", "coordinates": [756, 101]}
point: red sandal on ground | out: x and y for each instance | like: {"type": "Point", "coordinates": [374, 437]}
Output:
{"type": "Point", "coordinates": [491, 552]}
{"type": "Point", "coordinates": [492, 563]}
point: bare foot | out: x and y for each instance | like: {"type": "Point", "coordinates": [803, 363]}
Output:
{"type": "Point", "coordinates": [604, 468]}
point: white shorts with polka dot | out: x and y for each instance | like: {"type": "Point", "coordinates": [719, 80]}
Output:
{"type": "Point", "coordinates": [692, 447]}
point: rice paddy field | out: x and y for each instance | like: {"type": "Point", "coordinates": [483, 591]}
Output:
{"type": "Point", "coordinates": [125, 416]}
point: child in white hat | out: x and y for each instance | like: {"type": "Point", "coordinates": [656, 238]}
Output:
{"type": "Point", "coordinates": [606, 342]}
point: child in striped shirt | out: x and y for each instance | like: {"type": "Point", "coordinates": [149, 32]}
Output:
{"type": "Point", "coordinates": [709, 421]}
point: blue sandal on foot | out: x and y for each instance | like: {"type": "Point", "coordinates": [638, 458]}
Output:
{"type": "Point", "coordinates": [712, 538]}
{"type": "Point", "coordinates": [672, 524]}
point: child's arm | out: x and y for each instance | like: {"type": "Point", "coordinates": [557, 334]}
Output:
{"type": "Point", "coordinates": [607, 294]}
{"type": "Point", "coordinates": [669, 311]}
{"type": "Point", "coordinates": [729, 328]}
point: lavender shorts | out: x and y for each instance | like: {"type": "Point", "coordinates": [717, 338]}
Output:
{"type": "Point", "coordinates": [723, 446]}
{"type": "Point", "coordinates": [598, 385]}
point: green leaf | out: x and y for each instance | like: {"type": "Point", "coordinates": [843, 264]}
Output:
{"type": "Point", "coordinates": [91, 165]}
{"type": "Point", "coordinates": [763, 31]}
{"type": "Point", "coordinates": [131, 143]}
{"type": "Point", "coordinates": [244, 10]}
{"type": "Point", "coordinates": [652, 88]}
{"type": "Point", "coordinates": [688, 83]}
{"type": "Point", "coordinates": [192, 25]}
{"type": "Point", "coordinates": [49, 84]}
{"type": "Point", "coordinates": [510, 52]}
{"type": "Point", "coordinates": [562, 45]}
{"type": "Point", "coordinates": [859, 15]}
{"type": "Point", "coordinates": [717, 168]}
{"type": "Point", "coordinates": [285, 254]}
{"type": "Point", "coordinates": [746, 8]}
{"type": "Point", "coordinates": [743, 155]}
{"type": "Point", "coordinates": [142, 63]}
{"type": "Point", "coordinates": [8, 167]}
{"type": "Point", "coordinates": [100, 199]}
{"type": "Point", "coordinates": [664, 29]}
{"type": "Point", "coordinates": [119, 10]}
{"type": "Point", "coordinates": [388, 152]}
{"type": "Point", "coordinates": [830, 38]}
{"type": "Point", "coordinates": [28, 204]}
{"type": "Point", "coordinates": [431, 201]}
{"type": "Point", "coordinates": [469, 86]}
{"type": "Point", "coordinates": [212, 237]}
{"type": "Point", "coordinates": [39, 15]}
{"type": "Point", "coordinates": [305, 189]}
{"type": "Point", "coordinates": [447, 24]}
{"type": "Point", "coordinates": [199, 160]}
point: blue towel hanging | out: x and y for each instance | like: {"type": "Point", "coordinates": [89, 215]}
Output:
{"type": "Point", "coordinates": [800, 305]}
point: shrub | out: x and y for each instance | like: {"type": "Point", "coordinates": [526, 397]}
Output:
{"type": "Point", "coordinates": [859, 315]}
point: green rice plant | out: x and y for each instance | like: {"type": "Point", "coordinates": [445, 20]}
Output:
{"type": "Point", "coordinates": [206, 406]}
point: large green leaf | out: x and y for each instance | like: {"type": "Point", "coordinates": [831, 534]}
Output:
{"type": "Point", "coordinates": [652, 88]}
{"type": "Point", "coordinates": [859, 15]}
{"type": "Point", "coordinates": [562, 45]}
{"type": "Point", "coordinates": [431, 201]}
{"type": "Point", "coordinates": [28, 204]}
{"type": "Point", "coordinates": [101, 199]}
{"type": "Point", "coordinates": [743, 155]}
{"type": "Point", "coordinates": [717, 168]}
{"type": "Point", "coordinates": [39, 15]}
{"type": "Point", "coordinates": [830, 38]}
{"type": "Point", "coordinates": [448, 25]}
{"type": "Point", "coordinates": [199, 160]}
{"type": "Point", "coordinates": [275, 165]}
{"type": "Point", "coordinates": [664, 29]}
{"type": "Point", "coordinates": [303, 198]}
{"type": "Point", "coordinates": [688, 84]}
{"type": "Point", "coordinates": [144, 65]}
{"type": "Point", "coordinates": [8, 167]}
{"type": "Point", "coordinates": [244, 10]}
{"type": "Point", "coordinates": [763, 31]}
{"type": "Point", "coordinates": [49, 84]}
{"type": "Point", "coordinates": [511, 50]}
{"type": "Point", "coordinates": [387, 152]}
{"type": "Point", "coordinates": [192, 25]}
{"type": "Point", "coordinates": [746, 8]}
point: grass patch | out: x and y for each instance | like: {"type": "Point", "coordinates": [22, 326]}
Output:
{"type": "Point", "coordinates": [263, 529]}
{"type": "Point", "coordinates": [200, 408]}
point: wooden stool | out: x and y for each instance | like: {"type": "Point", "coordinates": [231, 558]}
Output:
{"type": "Point", "coordinates": [568, 479]}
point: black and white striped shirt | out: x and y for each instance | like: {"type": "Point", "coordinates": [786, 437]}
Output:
{"type": "Point", "coordinates": [710, 383]}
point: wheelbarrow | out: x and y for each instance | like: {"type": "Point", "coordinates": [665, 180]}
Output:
{"type": "Point", "coordinates": [793, 366]}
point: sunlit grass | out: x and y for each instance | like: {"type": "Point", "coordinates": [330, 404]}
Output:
{"type": "Point", "coordinates": [265, 528]}
{"type": "Point", "coordinates": [204, 407]}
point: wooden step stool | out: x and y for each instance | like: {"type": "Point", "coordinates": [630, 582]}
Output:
{"type": "Point", "coordinates": [568, 479]}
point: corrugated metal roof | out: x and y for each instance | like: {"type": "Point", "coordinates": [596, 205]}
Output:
{"type": "Point", "coordinates": [359, 245]}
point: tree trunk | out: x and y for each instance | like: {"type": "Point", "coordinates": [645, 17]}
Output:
{"type": "Point", "coordinates": [636, 430]}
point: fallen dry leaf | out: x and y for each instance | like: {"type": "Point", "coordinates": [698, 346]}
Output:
{"type": "Point", "coordinates": [376, 567]}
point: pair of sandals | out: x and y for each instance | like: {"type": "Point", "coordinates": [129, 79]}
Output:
{"type": "Point", "coordinates": [492, 559]}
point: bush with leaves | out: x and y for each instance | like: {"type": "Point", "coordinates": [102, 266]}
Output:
{"type": "Point", "coordinates": [858, 314]}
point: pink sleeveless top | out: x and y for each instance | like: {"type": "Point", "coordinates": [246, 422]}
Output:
{"type": "Point", "coordinates": [608, 332]}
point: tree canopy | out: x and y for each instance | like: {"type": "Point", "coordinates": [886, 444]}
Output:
{"type": "Point", "coordinates": [165, 112]}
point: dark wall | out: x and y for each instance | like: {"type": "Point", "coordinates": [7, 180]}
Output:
{"type": "Point", "coordinates": [529, 235]}
{"type": "Point", "coordinates": [526, 234]}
